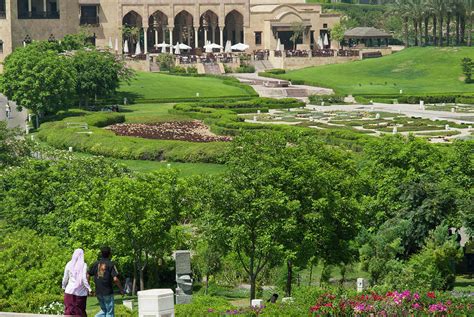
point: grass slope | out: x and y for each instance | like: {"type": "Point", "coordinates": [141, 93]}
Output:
{"type": "Point", "coordinates": [164, 86]}
{"type": "Point", "coordinates": [415, 70]}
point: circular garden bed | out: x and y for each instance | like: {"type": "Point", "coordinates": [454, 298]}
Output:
{"type": "Point", "coordinates": [194, 131]}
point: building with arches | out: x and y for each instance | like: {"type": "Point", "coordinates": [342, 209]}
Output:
{"type": "Point", "coordinates": [257, 23]}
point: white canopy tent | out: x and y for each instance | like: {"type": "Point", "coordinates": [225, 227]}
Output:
{"type": "Point", "coordinates": [278, 48]}
{"type": "Point", "coordinates": [240, 47]}
{"type": "Point", "coordinates": [326, 40]}
{"type": "Point", "coordinates": [111, 46]}
{"type": "Point", "coordinates": [116, 45]}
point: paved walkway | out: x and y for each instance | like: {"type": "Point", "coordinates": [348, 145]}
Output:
{"type": "Point", "coordinates": [17, 119]}
{"type": "Point", "coordinates": [406, 109]}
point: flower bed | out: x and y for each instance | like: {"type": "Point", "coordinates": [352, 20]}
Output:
{"type": "Point", "coordinates": [194, 131]}
{"type": "Point", "coordinates": [394, 303]}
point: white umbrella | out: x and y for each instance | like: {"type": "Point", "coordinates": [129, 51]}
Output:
{"type": "Point", "coordinates": [326, 40]}
{"type": "Point", "coordinates": [215, 46]}
{"type": "Point", "coordinates": [111, 46]}
{"type": "Point", "coordinates": [138, 50]}
{"type": "Point", "coordinates": [125, 47]}
{"type": "Point", "coordinates": [228, 48]}
{"type": "Point", "coordinates": [177, 50]}
{"type": "Point", "coordinates": [278, 44]}
{"type": "Point", "coordinates": [183, 46]}
{"type": "Point", "coordinates": [320, 42]}
{"type": "Point", "coordinates": [240, 47]}
{"type": "Point", "coordinates": [116, 45]}
{"type": "Point", "coordinates": [208, 47]}
{"type": "Point", "coordinates": [162, 45]}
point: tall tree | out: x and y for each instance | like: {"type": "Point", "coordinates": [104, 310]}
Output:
{"type": "Point", "coordinates": [39, 79]}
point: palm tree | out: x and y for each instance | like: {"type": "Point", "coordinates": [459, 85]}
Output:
{"type": "Point", "coordinates": [439, 10]}
{"type": "Point", "coordinates": [402, 8]}
{"type": "Point", "coordinates": [469, 17]}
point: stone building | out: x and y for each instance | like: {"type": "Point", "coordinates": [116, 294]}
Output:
{"type": "Point", "coordinates": [258, 23]}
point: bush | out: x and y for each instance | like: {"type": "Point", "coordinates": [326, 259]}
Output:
{"type": "Point", "coordinates": [465, 100]}
{"type": "Point", "coordinates": [203, 305]}
{"type": "Point", "coordinates": [228, 70]}
{"type": "Point", "coordinates": [327, 99]}
{"type": "Point", "coordinates": [177, 70]}
{"type": "Point", "coordinates": [245, 69]}
{"type": "Point", "coordinates": [165, 61]}
{"type": "Point", "coordinates": [192, 70]}
{"type": "Point", "coordinates": [276, 71]}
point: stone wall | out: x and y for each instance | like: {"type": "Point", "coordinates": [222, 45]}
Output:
{"type": "Point", "coordinates": [302, 62]}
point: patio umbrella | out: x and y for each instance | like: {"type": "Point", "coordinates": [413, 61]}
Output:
{"type": "Point", "coordinates": [213, 46]}
{"type": "Point", "coordinates": [228, 47]}
{"type": "Point", "coordinates": [138, 50]}
{"type": "Point", "coordinates": [125, 47]}
{"type": "Point", "coordinates": [208, 47]}
{"type": "Point", "coordinates": [240, 47]}
{"type": "Point", "coordinates": [183, 46]}
{"type": "Point", "coordinates": [116, 45]}
{"type": "Point", "coordinates": [163, 46]}
{"type": "Point", "coordinates": [111, 46]}
{"type": "Point", "coordinates": [177, 50]}
{"type": "Point", "coordinates": [326, 40]}
{"type": "Point", "coordinates": [278, 45]}
{"type": "Point", "coordinates": [320, 42]}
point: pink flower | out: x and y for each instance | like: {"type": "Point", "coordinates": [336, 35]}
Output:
{"type": "Point", "coordinates": [416, 306]}
{"type": "Point", "coordinates": [416, 296]}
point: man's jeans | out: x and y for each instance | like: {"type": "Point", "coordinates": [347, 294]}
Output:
{"type": "Point", "coordinates": [107, 305]}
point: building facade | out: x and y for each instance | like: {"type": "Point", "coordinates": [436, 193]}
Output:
{"type": "Point", "coordinates": [257, 23]}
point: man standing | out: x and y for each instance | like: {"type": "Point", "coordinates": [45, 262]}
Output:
{"type": "Point", "coordinates": [8, 110]}
{"type": "Point", "coordinates": [105, 275]}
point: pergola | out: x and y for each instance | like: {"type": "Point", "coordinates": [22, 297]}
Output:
{"type": "Point", "coordinates": [367, 35]}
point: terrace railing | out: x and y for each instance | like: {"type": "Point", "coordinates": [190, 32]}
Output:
{"type": "Point", "coordinates": [347, 53]}
{"type": "Point", "coordinates": [89, 20]}
{"type": "Point", "coordinates": [323, 53]}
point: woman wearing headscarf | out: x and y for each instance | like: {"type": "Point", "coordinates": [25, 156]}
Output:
{"type": "Point", "coordinates": [75, 285]}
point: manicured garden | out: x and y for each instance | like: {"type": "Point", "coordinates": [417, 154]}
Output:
{"type": "Point", "coordinates": [426, 70]}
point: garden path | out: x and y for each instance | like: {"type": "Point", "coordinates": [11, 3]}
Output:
{"type": "Point", "coordinates": [17, 118]}
{"type": "Point", "coordinates": [294, 91]}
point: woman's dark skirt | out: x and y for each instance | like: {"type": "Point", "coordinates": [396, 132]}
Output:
{"type": "Point", "coordinates": [75, 305]}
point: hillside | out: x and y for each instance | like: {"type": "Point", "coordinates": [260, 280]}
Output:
{"type": "Point", "coordinates": [415, 70]}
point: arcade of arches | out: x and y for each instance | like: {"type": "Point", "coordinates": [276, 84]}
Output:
{"type": "Point", "coordinates": [184, 29]}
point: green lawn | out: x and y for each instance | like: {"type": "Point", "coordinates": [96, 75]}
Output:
{"type": "Point", "coordinates": [150, 113]}
{"type": "Point", "coordinates": [164, 86]}
{"type": "Point", "coordinates": [415, 70]}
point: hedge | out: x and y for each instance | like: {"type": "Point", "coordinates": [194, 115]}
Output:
{"type": "Point", "coordinates": [99, 141]}
{"type": "Point", "coordinates": [327, 99]}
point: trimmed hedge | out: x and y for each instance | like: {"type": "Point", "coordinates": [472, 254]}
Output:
{"type": "Point", "coordinates": [327, 99]}
{"type": "Point", "coordinates": [99, 141]}
{"type": "Point", "coordinates": [276, 71]}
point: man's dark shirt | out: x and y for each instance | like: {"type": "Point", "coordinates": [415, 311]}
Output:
{"type": "Point", "coordinates": [103, 272]}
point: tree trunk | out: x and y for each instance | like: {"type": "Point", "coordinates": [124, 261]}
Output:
{"type": "Point", "coordinates": [142, 281]}
{"type": "Point", "coordinates": [435, 24]}
{"type": "Point", "coordinates": [420, 31]}
{"type": "Point", "coordinates": [448, 30]}
{"type": "Point", "coordinates": [37, 120]}
{"type": "Point", "coordinates": [289, 277]}
{"type": "Point", "coordinates": [463, 30]}
{"type": "Point", "coordinates": [458, 26]}
{"type": "Point", "coordinates": [427, 37]}
{"type": "Point", "coordinates": [134, 283]}
{"type": "Point", "coordinates": [207, 282]}
{"type": "Point", "coordinates": [415, 24]}
{"type": "Point", "coordinates": [253, 282]}
{"type": "Point", "coordinates": [469, 32]}
{"type": "Point", "coordinates": [405, 26]}
{"type": "Point", "coordinates": [310, 274]}
{"type": "Point", "coordinates": [440, 40]}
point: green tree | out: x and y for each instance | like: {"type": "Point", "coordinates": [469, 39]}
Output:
{"type": "Point", "coordinates": [31, 267]}
{"type": "Point", "coordinates": [38, 79]}
{"type": "Point", "coordinates": [13, 147]}
{"type": "Point", "coordinates": [99, 74]}
{"type": "Point", "coordinates": [467, 67]}
{"type": "Point", "coordinates": [337, 33]}
{"type": "Point", "coordinates": [298, 30]}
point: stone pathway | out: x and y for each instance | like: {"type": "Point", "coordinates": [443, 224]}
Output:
{"type": "Point", "coordinates": [405, 109]}
{"type": "Point", "coordinates": [294, 91]}
{"type": "Point", "coordinates": [17, 119]}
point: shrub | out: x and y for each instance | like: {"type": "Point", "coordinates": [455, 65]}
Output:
{"type": "Point", "coordinates": [245, 69]}
{"type": "Point", "coordinates": [327, 99]}
{"type": "Point", "coordinates": [228, 70]}
{"type": "Point", "coordinates": [192, 70]}
{"type": "Point", "coordinates": [177, 70]}
{"type": "Point", "coordinates": [465, 100]}
{"type": "Point", "coordinates": [467, 67]}
{"type": "Point", "coordinates": [202, 305]}
{"type": "Point", "coordinates": [165, 61]}
{"type": "Point", "coordinates": [276, 71]}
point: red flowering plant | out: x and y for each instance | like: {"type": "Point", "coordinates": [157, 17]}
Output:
{"type": "Point", "coordinates": [394, 303]}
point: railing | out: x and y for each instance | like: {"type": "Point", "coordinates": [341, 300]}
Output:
{"type": "Point", "coordinates": [261, 55]}
{"type": "Point", "coordinates": [347, 53]}
{"type": "Point", "coordinates": [278, 54]}
{"type": "Point", "coordinates": [3, 15]}
{"type": "Point", "coordinates": [323, 53]}
{"type": "Point", "coordinates": [296, 53]}
{"type": "Point", "coordinates": [39, 15]}
{"type": "Point", "coordinates": [89, 20]}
